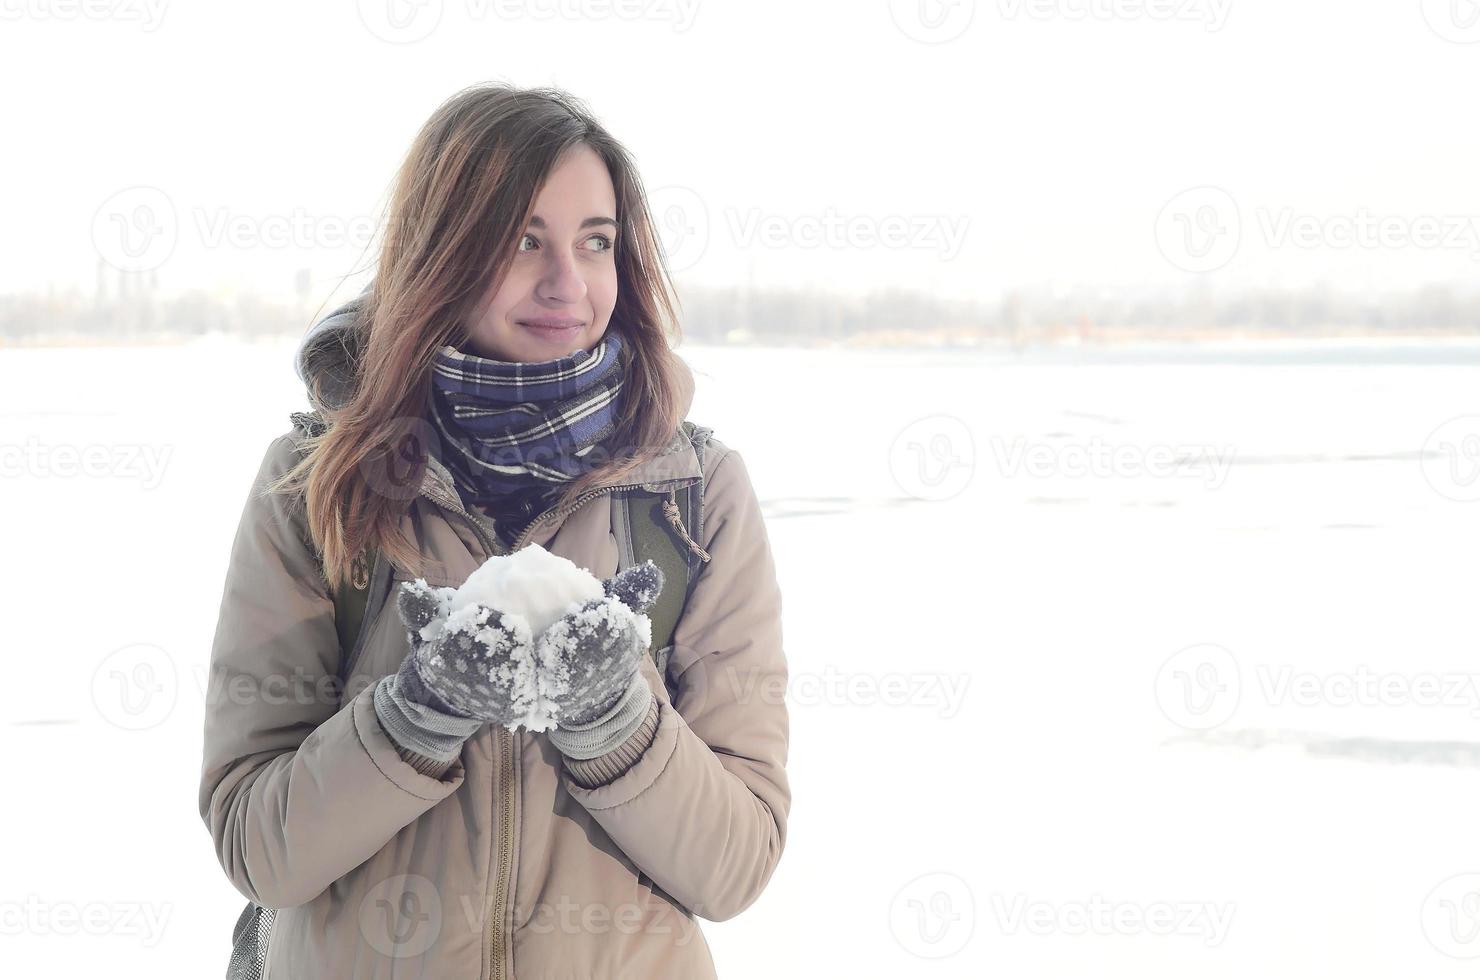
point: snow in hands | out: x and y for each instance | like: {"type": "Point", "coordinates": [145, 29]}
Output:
{"type": "Point", "coordinates": [531, 583]}
{"type": "Point", "coordinates": [533, 636]}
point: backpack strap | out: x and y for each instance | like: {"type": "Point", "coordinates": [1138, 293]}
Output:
{"type": "Point", "coordinates": [645, 526]}
{"type": "Point", "coordinates": [353, 596]}
{"type": "Point", "coordinates": [350, 600]}
{"type": "Point", "coordinates": [653, 540]}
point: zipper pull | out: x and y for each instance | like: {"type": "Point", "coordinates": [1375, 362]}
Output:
{"type": "Point", "coordinates": [670, 511]}
{"type": "Point", "coordinates": [359, 570]}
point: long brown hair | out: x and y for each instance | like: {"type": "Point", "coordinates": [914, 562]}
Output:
{"type": "Point", "coordinates": [461, 201]}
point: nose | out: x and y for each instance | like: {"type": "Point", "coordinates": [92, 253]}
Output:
{"type": "Point", "coordinates": [561, 281]}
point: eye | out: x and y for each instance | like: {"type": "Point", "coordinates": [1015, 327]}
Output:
{"type": "Point", "coordinates": [604, 240]}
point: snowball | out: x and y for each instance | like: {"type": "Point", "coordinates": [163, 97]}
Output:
{"type": "Point", "coordinates": [532, 583]}
{"type": "Point", "coordinates": [534, 589]}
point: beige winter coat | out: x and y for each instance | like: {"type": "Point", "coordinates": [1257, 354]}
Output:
{"type": "Point", "coordinates": [504, 867]}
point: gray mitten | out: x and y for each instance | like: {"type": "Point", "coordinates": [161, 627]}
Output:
{"type": "Point", "coordinates": [475, 662]}
{"type": "Point", "coordinates": [590, 658]}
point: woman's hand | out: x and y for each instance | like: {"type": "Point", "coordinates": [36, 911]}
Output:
{"type": "Point", "coordinates": [467, 663]}
{"type": "Point", "coordinates": [590, 657]}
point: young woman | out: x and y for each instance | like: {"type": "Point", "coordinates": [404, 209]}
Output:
{"type": "Point", "coordinates": [508, 368]}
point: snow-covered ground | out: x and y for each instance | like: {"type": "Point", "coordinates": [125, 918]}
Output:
{"type": "Point", "coordinates": [1101, 665]}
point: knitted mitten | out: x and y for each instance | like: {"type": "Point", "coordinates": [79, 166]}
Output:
{"type": "Point", "coordinates": [464, 669]}
{"type": "Point", "coordinates": [468, 663]}
{"type": "Point", "coordinates": [590, 659]}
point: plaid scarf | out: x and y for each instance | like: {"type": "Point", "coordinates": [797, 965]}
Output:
{"type": "Point", "coordinates": [512, 427]}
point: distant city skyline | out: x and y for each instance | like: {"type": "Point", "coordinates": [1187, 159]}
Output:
{"type": "Point", "coordinates": [125, 306]}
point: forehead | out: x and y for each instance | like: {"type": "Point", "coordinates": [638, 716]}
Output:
{"type": "Point", "coordinates": [578, 187]}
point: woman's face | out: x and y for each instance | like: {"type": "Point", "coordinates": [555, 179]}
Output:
{"type": "Point", "coordinates": [561, 285]}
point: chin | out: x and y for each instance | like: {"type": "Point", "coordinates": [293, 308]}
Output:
{"type": "Point", "coordinates": [517, 346]}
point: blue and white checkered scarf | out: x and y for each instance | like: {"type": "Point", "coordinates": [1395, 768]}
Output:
{"type": "Point", "coordinates": [508, 426]}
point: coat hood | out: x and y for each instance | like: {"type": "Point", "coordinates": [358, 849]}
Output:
{"type": "Point", "coordinates": [329, 355]}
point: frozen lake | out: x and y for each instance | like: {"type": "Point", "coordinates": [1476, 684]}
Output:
{"type": "Point", "coordinates": [1114, 665]}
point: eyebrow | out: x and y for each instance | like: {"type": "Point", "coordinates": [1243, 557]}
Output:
{"type": "Point", "coordinates": [538, 222]}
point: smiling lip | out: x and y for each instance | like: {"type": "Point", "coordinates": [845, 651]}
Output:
{"type": "Point", "coordinates": [550, 323]}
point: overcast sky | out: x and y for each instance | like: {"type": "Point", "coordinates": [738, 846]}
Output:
{"type": "Point", "coordinates": [955, 147]}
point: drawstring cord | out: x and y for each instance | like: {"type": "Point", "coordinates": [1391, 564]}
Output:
{"type": "Point", "coordinates": [670, 511]}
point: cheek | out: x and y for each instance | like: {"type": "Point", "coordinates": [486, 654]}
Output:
{"type": "Point", "coordinates": [602, 290]}
{"type": "Point", "coordinates": [509, 296]}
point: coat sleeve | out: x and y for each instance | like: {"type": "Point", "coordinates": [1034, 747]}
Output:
{"type": "Point", "coordinates": [295, 789]}
{"type": "Point", "coordinates": [703, 812]}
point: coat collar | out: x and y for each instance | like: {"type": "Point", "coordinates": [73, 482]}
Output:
{"type": "Point", "coordinates": [676, 466]}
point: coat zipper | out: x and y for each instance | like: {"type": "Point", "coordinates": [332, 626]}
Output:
{"type": "Point", "coordinates": [504, 795]}
{"type": "Point", "coordinates": [497, 945]}
{"type": "Point", "coordinates": [503, 790]}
